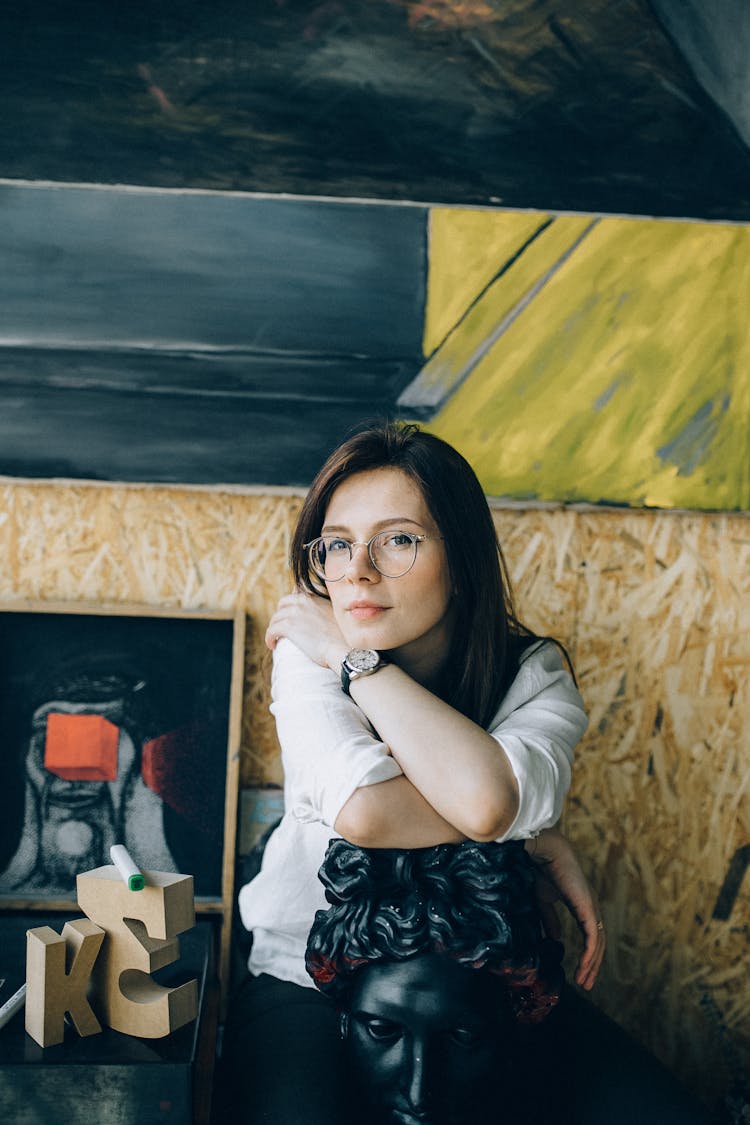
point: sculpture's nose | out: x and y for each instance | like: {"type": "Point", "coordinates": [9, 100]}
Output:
{"type": "Point", "coordinates": [416, 1084]}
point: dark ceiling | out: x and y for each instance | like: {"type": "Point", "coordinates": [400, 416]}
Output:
{"type": "Point", "coordinates": [177, 336]}
{"type": "Point", "coordinates": [525, 103]}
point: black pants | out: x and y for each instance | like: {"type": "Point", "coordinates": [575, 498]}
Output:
{"type": "Point", "coordinates": [283, 1064]}
{"type": "Point", "coordinates": [605, 1076]}
{"type": "Point", "coordinates": [282, 1058]}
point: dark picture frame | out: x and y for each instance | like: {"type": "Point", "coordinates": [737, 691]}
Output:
{"type": "Point", "coordinates": [121, 724]}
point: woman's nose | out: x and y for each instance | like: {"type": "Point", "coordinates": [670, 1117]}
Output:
{"type": "Point", "coordinates": [360, 565]}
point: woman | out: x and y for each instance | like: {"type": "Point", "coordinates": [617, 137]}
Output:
{"type": "Point", "coordinates": [412, 708]}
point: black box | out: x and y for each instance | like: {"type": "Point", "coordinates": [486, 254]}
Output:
{"type": "Point", "coordinates": [109, 1078]}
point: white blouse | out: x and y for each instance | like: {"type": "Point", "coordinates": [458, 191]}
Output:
{"type": "Point", "coordinates": [329, 750]}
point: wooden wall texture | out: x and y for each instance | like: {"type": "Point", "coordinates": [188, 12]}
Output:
{"type": "Point", "coordinates": [655, 608]}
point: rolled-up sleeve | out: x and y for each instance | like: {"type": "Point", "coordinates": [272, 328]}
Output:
{"type": "Point", "coordinates": [328, 748]}
{"type": "Point", "coordinates": [539, 723]}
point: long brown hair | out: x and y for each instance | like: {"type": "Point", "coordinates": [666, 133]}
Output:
{"type": "Point", "coordinates": [488, 638]}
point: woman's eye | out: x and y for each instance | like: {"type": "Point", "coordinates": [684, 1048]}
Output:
{"type": "Point", "coordinates": [334, 546]}
{"type": "Point", "coordinates": [384, 1031]}
{"type": "Point", "coordinates": [398, 540]}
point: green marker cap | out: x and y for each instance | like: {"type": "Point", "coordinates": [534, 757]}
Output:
{"type": "Point", "coordinates": [136, 882]}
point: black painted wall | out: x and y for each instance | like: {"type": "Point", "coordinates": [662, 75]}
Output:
{"type": "Point", "coordinates": [199, 337]}
{"type": "Point", "coordinates": [184, 333]}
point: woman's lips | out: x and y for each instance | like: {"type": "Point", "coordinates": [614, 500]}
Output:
{"type": "Point", "coordinates": [362, 611]}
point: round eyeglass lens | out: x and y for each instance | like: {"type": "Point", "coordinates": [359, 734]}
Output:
{"type": "Point", "coordinates": [393, 552]}
{"type": "Point", "coordinates": [329, 557]}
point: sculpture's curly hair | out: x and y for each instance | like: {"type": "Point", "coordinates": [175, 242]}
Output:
{"type": "Point", "coordinates": [473, 902]}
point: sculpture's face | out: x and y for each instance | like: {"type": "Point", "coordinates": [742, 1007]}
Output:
{"type": "Point", "coordinates": [430, 1041]}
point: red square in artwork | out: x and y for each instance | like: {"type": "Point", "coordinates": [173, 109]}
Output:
{"type": "Point", "coordinates": [81, 747]}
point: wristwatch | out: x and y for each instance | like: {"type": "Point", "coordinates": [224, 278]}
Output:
{"type": "Point", "coordinates": [360, 662]}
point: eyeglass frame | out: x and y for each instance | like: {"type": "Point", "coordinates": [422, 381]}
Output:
{"type": "Point", "coordinates": [416, 540]}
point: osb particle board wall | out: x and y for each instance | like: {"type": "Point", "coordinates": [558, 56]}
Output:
{"type": "Point", "coordinates": [655, 610]}
{"type": "Point", "coordinates": [655, 607]}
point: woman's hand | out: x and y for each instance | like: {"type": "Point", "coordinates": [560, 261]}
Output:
{"type": "Point", "coordinates": [309, 623]}
{"type": "Point", "coordinates": [559, 876]}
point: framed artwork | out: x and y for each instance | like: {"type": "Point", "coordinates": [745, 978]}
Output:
{"type": "Point", "coordinates": [120, 724]}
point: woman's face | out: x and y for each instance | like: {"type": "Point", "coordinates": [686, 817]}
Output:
{"type": "Point", "coordinates": [430, 1042]}
{"type": "Point", "coordinates": [410, 616]}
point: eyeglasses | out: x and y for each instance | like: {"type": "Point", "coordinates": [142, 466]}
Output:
{"type": "Point", "coordinates": [392, 553]}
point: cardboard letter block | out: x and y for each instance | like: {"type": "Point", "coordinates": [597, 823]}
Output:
{"type": "Point", "coordinates": [58, 969]}
{"type": "Point", "coordinates": [141, 931]}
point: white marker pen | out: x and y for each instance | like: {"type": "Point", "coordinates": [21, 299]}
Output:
{"type": "Point", "coordinates": [10, 1007]}
{"type": "Point", "coordinates": [132, 875]}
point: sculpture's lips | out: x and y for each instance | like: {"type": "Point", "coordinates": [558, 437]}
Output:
{"type": "Point", "coordinates": [399, 1118]}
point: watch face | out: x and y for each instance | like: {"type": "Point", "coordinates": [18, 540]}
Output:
{"type": "Point", "coordinates": [363, 659]}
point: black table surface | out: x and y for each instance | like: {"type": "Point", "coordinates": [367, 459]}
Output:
{"type": "Point", "coordinates": [109, 1046]}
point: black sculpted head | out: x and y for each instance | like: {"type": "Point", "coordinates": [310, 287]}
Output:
{"type": "Point", "coordinates": [436, 958]}
{"type": "Point", "coordinates": [473, 903]}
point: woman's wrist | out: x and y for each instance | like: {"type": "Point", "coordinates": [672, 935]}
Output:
{"type": "Point", "coordinates": [335, 656]}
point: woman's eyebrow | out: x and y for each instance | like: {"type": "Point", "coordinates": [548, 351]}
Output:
{"type": "Point", "coordinates": [393, 521]}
